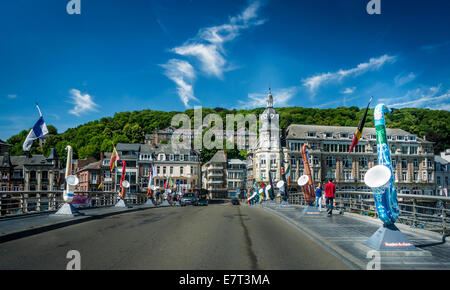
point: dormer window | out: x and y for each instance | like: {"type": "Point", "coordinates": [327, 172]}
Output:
{"type": "Point", "coordinates": [343, 135]}
{"type": "Point", "coordinates": [373, 137]}
{"type": "Point", "coordinates": [389, 137]}
{"type": "Point", "coordinates": [400, 137]}
{"type": "Point", "coordinates": [328, 135]}
{"type": "Point", "coordinates": [311, 134]}
{"type": "Point", "coordinates": [412, 138]}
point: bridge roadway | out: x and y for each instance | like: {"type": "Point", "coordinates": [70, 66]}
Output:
{"type": "Point", "coordinates": [218, 236]}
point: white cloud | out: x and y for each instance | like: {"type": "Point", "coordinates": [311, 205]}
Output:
{"type": "Point", "coordinates": [427, 97]}
{"type": "Point", "coordinates": [280, 98]}
{"type": "Point", "coordinates": [348, 91]}
{"type": "Point", "coordinates": [207, 45]}
{"type": "Point", "coordinates": [183, 75]}
{"type": "Point", "coordinates": [401, 79]}
{"type": "Point", "coordinates": [313, 83]}
{"type": "Point", "coordinates": [83, 103]}
{"type": "Point", "coordinates": [12, 96]}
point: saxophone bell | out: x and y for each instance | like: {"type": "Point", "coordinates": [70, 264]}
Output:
{"type": "Point", "coordinates": [378, 177]}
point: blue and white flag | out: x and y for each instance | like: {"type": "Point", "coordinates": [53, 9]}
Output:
{"type": "Point", "coordinates": [39, 130]}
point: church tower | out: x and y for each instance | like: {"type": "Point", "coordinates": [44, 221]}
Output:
{"type": "Point", "coordinates": [268, 153]}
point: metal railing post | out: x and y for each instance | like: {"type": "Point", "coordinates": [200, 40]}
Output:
{"type": "Point", "coordinates": [444, 217]}
{"type": "Point", "coordinates": [414, 212]}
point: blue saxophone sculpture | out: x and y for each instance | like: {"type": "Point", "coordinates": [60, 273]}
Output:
{"type": "Point", "coordinates": [385, 196]}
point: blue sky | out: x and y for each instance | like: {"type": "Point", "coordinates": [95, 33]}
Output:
{"type": "Point", "coordinates": [174, 54]}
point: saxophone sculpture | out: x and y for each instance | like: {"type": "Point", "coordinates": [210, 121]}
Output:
{"type": "Point", "coordinates": [305, 180]}
{"type": "Point", "coordinates": [381, 178]}
{"type": "Point", "coordinates": [71, 180]}
{"type": "Point", "coordinates": [124, 184]}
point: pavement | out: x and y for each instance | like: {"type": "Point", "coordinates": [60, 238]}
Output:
{"type": "Point", "coordinates": [16, 227]}
{"type": "Point", "coordinates": [214, 237]}
{"type": "Point", "coordinates": [344, 236]}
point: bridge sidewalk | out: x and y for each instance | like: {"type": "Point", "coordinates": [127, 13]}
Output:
{"type": "Point", "coordinates": [344, 236]}
{"type": "Point", "coordinates": [12, 228]}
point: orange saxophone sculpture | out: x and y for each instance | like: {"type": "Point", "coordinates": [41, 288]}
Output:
{"type": "Point", "coordinates": [123, 190]}
{"type": "Point", "coordinates": [308, 188]}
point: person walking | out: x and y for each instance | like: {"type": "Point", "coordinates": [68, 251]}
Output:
{"type": "Point", "coordinates": [330, 191]}
{"type": "Point", "coordinates": [318, 202]}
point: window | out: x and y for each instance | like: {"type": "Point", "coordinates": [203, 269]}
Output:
{"type": "Point", "coordinates": [373, 137]}
{"type": "Point", "coordinates": [438, 180]}
{"type": "Point", "coordinates": [424, 175]}
{"type": "Point", "coordinates": [412, 138]}
{"type": "Point", "coordinates": [171, 170]}
{"type": "Point", "coordinates": [331, 161]}
{"type": "Point", "coordinates": [347, 175]}
{"type": "Point", "coordinates": [416, 176]}
{"type": "Point", "coordinates": [400, 137]}
{"type": "Point", "coordinates": [4, 175]}
{"type": "Point", "coordinates": [328, 135]}
{"type": "Point", "coordinates": [404, 149]}
{"type": "Point", "coordinates": [393, 149]}
{"type": "Point", "coordinates": [164, 170]}
{"type": "Point", "coordinates": [347, 163]}
{"type": "Point", "coordinates": [311, 134]}
{"type": "Point", "coordinates": [413, 150]}
{"type": "Point", "coordinates": [416, 163]}
{"type": "Point", "coordinates": [404, 176]}
{"type": "Point", "coordinates": [430, 177]}
{"type": "Point", "coordinates": [361, 175]}
{"type": "Point", "coordinates": [192, 170]}
{"type": "Point", "coordinates": [404, 164]}
{"type": "Point", "coordinates": [181, 171]}
{"type": "Point", "coordinates": [293, 162]}
{"type": "Point", "coordinates": [343, 135]}
{"type": "Point", "coordinates": [363, 162]}
{"type": "Point", "coordinates": [158, 170]}
{"type": "Point", "coordinates": [316, 160]}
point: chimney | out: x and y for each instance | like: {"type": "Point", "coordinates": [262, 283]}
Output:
{"type": "Point", "coordinates": [102, 155]}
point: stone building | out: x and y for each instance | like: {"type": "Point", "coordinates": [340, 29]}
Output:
{"type": "Point", "coordinates": [90, 177]}
{"type": "Point", "coordinates": [180, 164]}
{"type": "Point", "coordinates": [412, 157]}
{"type": "Point", "coordinates": [214, 174]}
{"type": "Point", "coordinates": [30, 173]}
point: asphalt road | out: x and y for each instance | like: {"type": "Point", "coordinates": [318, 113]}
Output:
{"type": "Point", "coordinates": [216, 237]}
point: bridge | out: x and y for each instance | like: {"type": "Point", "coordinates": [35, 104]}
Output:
{"type": "Point", "coordinates": [220, 236]}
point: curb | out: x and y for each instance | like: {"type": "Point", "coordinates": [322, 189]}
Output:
{"type": "Point", "coordinates": [45, 228]}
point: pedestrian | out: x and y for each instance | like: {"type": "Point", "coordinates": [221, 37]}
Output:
{"type": "Point", "coordinates": [330, 191]}
{"type": "Point", "coordinates": [319, 196]}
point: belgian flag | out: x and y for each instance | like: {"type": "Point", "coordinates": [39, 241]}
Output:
{"type": "Point", "coordinates": [360, 129]}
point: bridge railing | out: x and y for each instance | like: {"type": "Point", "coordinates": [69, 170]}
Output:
{"type": "Point", "coordinates": [14, 203]}
{"type": "Point", "coordinates": [421, 211]}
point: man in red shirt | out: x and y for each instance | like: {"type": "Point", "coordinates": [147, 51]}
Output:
{"type": "Point", "coordinates": [330, 190]}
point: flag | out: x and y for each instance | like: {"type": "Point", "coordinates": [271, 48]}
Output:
{"type": "Point", "coordinates": [262, 183]}
{"type": "Point", "coordinates": [170, 182]}
{"type": "Point", "coordinates": [360, 129]}
{"type": "Point", "coordinates": [100, 185]}
{"type": "Point", "coordinates": [288, 173]}
{"type": "Point", "coordinates": [114, 157]}
{"type": "Point", "coordinates": [39, 130]}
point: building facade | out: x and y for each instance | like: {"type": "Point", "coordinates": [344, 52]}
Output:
{"type": "Point", "coordinates": [181, 165]}
{"type": "Point", "coordinates": [214, 174]}
{"type": "Point", "coordinates": [236, 176]}
{"type": "Point", "coordinates": [442, 174]}
{"type": "Point", "coordinates": [412, 157]}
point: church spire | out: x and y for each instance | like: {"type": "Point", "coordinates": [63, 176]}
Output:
{"type": "Point", "coordinates": [270, 99]}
